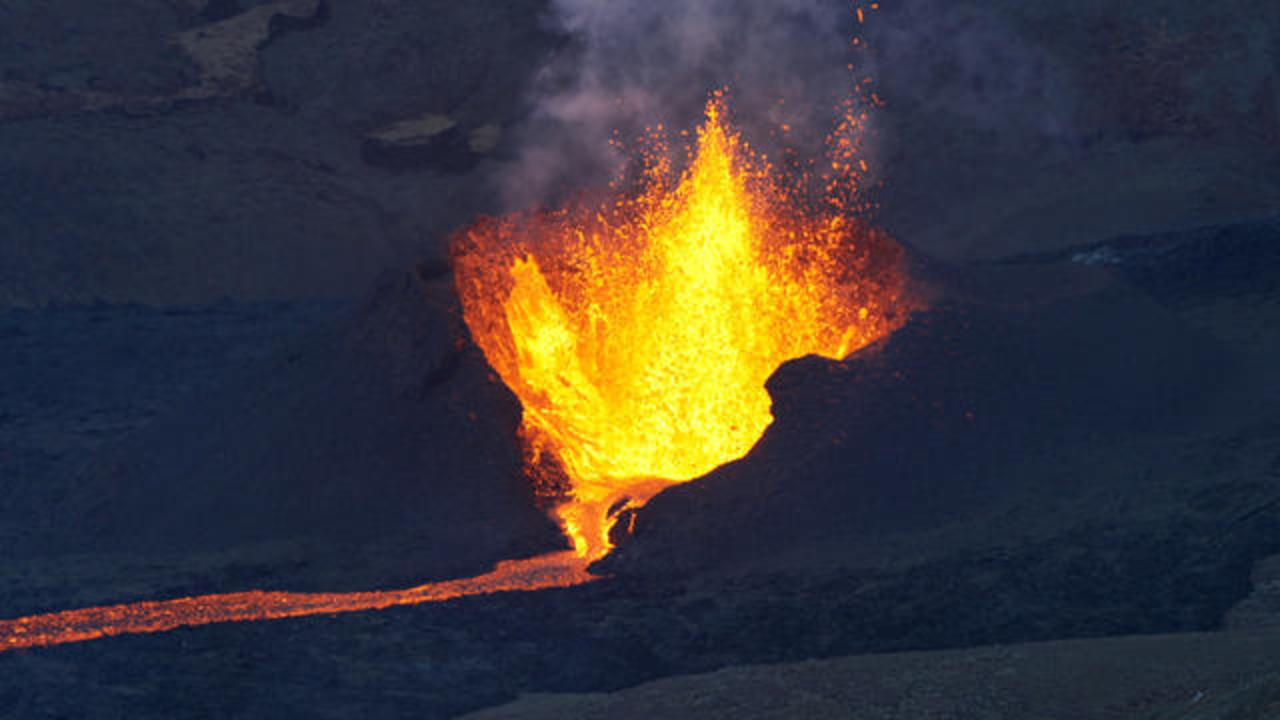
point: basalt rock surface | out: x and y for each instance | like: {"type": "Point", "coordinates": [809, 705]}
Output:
{"type": "Point", "coordinates": [977, 404]}
{"type": "Point", "coordinates": [385, 434]}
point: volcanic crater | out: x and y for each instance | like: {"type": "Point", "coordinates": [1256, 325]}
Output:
{"type": "Point", "coordinates": [1057, 418]}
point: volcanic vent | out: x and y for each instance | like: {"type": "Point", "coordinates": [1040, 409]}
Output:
{"type": "Point", "coordinates": [638, 332]}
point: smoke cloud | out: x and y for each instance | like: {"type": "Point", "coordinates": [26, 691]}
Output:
{"type": "Point", "coordinates": [631, 64]}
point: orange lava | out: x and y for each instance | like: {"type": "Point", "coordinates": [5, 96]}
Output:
{"type": "Point", "coordinates": [561, 569]}
{"type": "Point", "coordinates": [638, 332]}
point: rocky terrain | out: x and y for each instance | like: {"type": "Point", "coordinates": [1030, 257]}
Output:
{"type": "Point", "coordinates": [180, 152]}
{"type": "Point", "coordinates": [231, 358]}
{"type": "Point", "coordinates": [1039, 532]}
{"type": "Point", "coordinates": [1191, 677]}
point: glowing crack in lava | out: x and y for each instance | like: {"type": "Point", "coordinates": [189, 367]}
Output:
{"type": "Point", "coordinates": [638, 334]}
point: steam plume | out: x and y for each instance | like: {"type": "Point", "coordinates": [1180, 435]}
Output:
{"type": "Point", "coordinates": [629, 64]}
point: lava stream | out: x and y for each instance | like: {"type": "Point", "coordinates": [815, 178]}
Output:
{"type": "Point", "coordinates": [561, 569]}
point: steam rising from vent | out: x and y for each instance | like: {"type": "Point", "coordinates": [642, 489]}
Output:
{"type": "Point", "coordinates": [632, 64]}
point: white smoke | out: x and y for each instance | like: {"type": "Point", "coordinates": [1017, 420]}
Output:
{"type": "Point", "coordinates": [631, 64]}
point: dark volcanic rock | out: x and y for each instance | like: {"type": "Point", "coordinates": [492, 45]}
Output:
{"type": "Point", "coordinates": [1262, 607]}
{"type": "Point", "coordinates": [1026, 461]}
{"type": "Point", "coordinates": [156, 155]}
{"type": "Point", "coordinates": [79, 379]}
{"type": "Point", "coordinates": [926, 428]}
{"type": "Point", "coordinates": [1185, 267]}
{"type": "Point", "coordinates": [393, 430]}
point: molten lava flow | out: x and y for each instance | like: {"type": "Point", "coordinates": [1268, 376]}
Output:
{"type": "Point", "coordinates": [554, 570]}
{"type": "Point", "coordinates": [638, 334]}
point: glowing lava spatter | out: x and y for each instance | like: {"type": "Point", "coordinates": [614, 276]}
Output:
{"type": "Point", "coordinates": [638, 333]}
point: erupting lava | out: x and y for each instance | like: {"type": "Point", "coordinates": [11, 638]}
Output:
{"type": "Point", "coordinates": [638, 334]}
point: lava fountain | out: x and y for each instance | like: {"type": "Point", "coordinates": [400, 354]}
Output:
{"type": "Point", "coordinates": [638, 333]}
